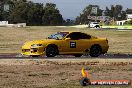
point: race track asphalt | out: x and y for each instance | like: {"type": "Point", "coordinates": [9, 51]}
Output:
{"type": "Point", "coordinates": [107, 56]}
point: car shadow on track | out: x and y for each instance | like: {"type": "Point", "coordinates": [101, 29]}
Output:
{"type": "Point", "coordinates": [109, 56]}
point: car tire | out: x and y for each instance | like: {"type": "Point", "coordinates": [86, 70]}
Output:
{"type": "Point", "coordinates": [97, 26]}
{"type": "Point", "coordinates": [77, 55]}
{"type": "Point", "coordinates": [95, 51]}
{"type": "Point", "coordinates": [35, 55]}
{"type": "Point", "coordinates": [51, 51]}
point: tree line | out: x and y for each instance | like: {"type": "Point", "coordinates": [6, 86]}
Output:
{"type": "Point", "coordinates": [23, 11]}
{"type": "Point", "coordinates": [31, 13]}
{"type": "Point", "coordinates": [115, 12]}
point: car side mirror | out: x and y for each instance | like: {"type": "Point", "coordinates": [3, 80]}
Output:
{"type": "Point", "coordinates": [67, 38]}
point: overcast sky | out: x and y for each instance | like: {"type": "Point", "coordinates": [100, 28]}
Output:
{"type": "Point", "coordinates": [72, 8]}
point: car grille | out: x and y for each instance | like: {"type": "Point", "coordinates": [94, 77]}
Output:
{"type": "Point", "coordinates": [32, 50]}
{"type": "Point", "coordinates": [25, 50]}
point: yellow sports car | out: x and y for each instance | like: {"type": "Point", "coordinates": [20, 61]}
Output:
{"type": "Point", "coordinates": [66, 43]}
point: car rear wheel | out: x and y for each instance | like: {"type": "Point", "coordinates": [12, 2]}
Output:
{"type": "Point", "coordinates": [77, 55]}
{"type": "Point", "coordinates": [95, 51]}
{"type": "Point", "coordinates": [97, 26]}
{"type": "Point", "coordinates": [35, 55]}
{"type": "Point", "coordinates": [51, 51]}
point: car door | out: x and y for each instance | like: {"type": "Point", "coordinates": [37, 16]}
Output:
{"type": "Point", "coordinates": [76, 44]}
{"type": "Point", "coordinates": [68, 46]}
{"type": "Point", "coordinates": [83, 42]}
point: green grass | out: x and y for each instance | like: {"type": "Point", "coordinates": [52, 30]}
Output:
{"type": "Point", "coordinates": [120, 27]}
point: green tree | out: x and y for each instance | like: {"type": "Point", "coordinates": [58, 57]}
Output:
{"type": "Point", "coordinates": [4, 15]}
{"type": "Point", "coordinates": [19, 13]}
{"type": "Point", "coordinates": [35, 13]}
{"type": "Point", "coordinates": [129, 22]}
{"type": "Point", "coordinates": [51, 15]}
{"type": "Point", "coordinates": [116, 12]}
{"type": "Point", "coordinates": [1, 15]}
{"type": "Point", "coordinates": [128, 11]}
{"type": "Point", "coordinates": [69, 22]}
{"type": "Point", "coordinates": [83, 18]}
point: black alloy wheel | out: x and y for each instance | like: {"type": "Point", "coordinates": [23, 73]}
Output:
{"type": "Point", "coordinates": [51, 51]}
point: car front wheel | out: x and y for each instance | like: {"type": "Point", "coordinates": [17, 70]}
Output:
{"type": "Point", "coordinates": [78, 55]}
{"type": "Point", "coordinates": [51, 51]}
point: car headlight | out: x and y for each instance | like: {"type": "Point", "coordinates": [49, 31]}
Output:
{"type": "Point", "coordinates": [36, 45]}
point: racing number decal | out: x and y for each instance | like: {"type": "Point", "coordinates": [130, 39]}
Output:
{"type": "Point", "coordinates": [72, 44]}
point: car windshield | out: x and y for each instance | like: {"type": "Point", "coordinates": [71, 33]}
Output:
{"type": "Point", "coordinates": [95, 23]}
{"type": "Point", "coordinates": [58, 35]}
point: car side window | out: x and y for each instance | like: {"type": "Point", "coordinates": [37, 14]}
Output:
{"type": "Point", "coordinates": [73, 36]}
{"type": "Point", "coordinates": [85, 36]}
{"type": "Point", "coordinates": [78, 35]}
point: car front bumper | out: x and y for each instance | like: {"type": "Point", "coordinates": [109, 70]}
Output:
{"type": "Point", "coordinates": [33, 51]}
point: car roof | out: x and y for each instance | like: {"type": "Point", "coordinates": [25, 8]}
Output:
{"type": "Point", "coordinates": [70, 31]}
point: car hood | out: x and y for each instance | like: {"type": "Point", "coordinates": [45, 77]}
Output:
{"type": "Point", "coordinates": [43, 42]}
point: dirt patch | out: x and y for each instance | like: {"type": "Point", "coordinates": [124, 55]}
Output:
{"type": "Point", "coordinates": [60, 73]}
